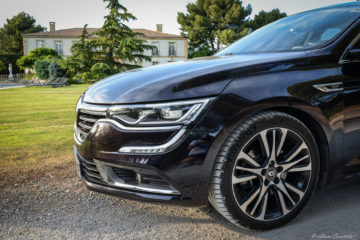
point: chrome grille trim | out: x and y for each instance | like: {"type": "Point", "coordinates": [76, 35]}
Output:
{"type": "Point", "coordinates": [85, 122]}
{"type": "Point", "coordinates": [92, 174]}
{"type": "Point", "coordinates": [111, 178]}
{"type": "Point", "coordinates": [105, 174]}
{"type": "Point", "coordinates": [85, 126]}
{"type": "Point", "coordinates": [87, 119]}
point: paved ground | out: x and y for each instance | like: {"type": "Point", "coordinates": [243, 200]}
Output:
{"type": "Point", "coordinates": [61, 208]}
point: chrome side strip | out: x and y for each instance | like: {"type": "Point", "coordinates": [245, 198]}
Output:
{"type": "Point", "coordinates": [155, 149]}
{"type": "Point", "coordinates": [146, 129]}
{"type": "Point", "coordinates": [329, 87]}
{"type": "Point", "coordinates": [109, 176]}
{"type": "Point", "coordinates": [119, 125]}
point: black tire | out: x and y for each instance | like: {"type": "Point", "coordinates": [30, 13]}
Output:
{"type": "Point", "coordinates": [230, 192]}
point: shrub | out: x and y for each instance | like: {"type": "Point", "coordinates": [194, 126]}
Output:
{"type": "Point", "coordinates": [70, 66]}
{"type": "Point", "coordinates": [100, 68]}
{"type": "Point", "coordinates": [55, 70]}
{"type": "Point", "coordinates": [100, 71]}
{"type": "Point", "coordinates": [34, 55]}
{"type": "Point", "coordinates": [42, 68]}
{"type": "Point", "coordinates": [7, 59]}
{"type": "Point", "coordinates": [2, 67]}
{"type": "Point", "coordinates": [86, 77]}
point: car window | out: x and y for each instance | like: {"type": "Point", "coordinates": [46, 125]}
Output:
{"type": "Point", "coordinates": [330, 33]}
{"type": "Point", "coordinates": [297, 32]}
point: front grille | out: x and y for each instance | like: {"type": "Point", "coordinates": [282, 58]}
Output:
{"type": "Point", "coordinates": [131, 177]}
{"type": "Point", "coordinates": [153, 180]}
{"type": "Point", "coordinates": [89, 170]}
{"type": "Point", "coordinates": [117, 176]}
{"type": "Point", "coordinates": [127, 175]}
{"type": "Point", "coordinates": [86, 120]}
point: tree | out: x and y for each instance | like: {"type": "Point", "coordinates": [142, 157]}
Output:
{"type": "Point", "coordinates": [39, 53]}
{"type": "Point", "coordinates": [55, 70]}
{"type": "Point", "coordinates": [263, 18]}
{"type": "Point", "coordinates": [121, 48]}
{"type": "Point", "coordinates": [10, 35]}
{"type": "Point", "coordinates": [100, 71]}
{"type": "Point", "coordinates": [84, 51]}
{"type": "Point", "coordinates": [41, 67]}
{"type": "Point", "coordinates": [208, 24]}
{"type": "Point", "coordinates": [2, 67]}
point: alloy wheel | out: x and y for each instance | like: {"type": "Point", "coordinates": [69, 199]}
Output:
{"type": "Point", "coordinates": [271, 174]}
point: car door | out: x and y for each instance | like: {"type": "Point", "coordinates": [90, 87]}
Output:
{"type": "Point", "coordinates": [350, 69]}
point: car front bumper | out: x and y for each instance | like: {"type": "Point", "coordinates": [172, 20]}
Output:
{"type": "Point", "coordinates": [180, 175]}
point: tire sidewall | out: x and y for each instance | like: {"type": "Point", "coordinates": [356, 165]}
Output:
{"type": "Point", "coordinates": [236, 141]}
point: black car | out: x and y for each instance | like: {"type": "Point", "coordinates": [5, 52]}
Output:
{"type": "Point", "coordinates": [254, 130]}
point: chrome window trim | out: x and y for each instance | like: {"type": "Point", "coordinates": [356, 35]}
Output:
{"type": "Point", "coordinates": [343, 59]}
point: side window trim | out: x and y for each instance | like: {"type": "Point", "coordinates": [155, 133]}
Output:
{"type": "Point", "coordinates": [343, 59]}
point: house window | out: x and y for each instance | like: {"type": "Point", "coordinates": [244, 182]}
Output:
{"type": "Point", "coordinates": [40, 43]}
{"type": "Point", "coordinates": [172, 50]}
{"type": "Point", "coordinates": [59, 47]}
{"type": "Point", "coordinates": [155, 63]}
{"type": "Point", "coordinates": [155, 50]}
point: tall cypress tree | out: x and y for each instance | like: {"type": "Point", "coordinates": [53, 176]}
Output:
{"type": "Point", "coordinates": [83, 51]}
{"type": "Point", "coordinates": [121, 48]}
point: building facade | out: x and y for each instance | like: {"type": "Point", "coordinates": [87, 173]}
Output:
{"type": "Point", "coordinates": [169, 47]}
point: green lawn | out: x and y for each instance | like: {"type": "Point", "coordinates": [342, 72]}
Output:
{"type": "Point", "coordinates": [36, 125]}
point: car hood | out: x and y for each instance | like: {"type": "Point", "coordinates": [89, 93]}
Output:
{"type": "Point", "coordinates": [180, 80]}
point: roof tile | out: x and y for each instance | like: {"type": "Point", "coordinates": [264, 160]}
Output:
{"type": "Point", "coordinates": [76, 32]}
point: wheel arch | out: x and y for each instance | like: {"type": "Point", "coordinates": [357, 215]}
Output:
{"type": "Point", "coordinates": [280, 105]}
{"type": "Point", "coordinates": [318, 133]}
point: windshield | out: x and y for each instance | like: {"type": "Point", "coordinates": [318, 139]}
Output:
{"type": "Point", "coordinates": [298, 32]}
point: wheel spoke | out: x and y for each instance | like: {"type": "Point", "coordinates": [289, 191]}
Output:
{"type": "Point", "coordinates": [236, 180]}
{"type": "Point", "coordinates": [249, 200]}
{"type": "Point", "coordinates": [295, 190]}
{"type": "Point", "coordinates": [263, 207]}
{"type": "Point", "coordinates": [283, 189]}
{"type": "Point", "coordinates": [267, 159]}
{"type": "Point", "coordinates": [247, 158]}
{"type": "Point", "coordinates": [256, 171]}
{"type": "Point", "coordinates": [273, 153]}
{"type": "Point", "coordinates": [261, 195]}
{"type": "Point", "coordinates": [282, 141]}
{"type": "Point", "coordinates": [287, 166]}
{"type": "Point", "coordinates": [296, 152]}
{"type": "Point", "coordinates": [265, 142]}
{"type": "Point", "coordinates": [282, 202]}
{"type": "Point", "coordinates": [301, 169]}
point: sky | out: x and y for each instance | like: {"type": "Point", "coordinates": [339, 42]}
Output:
{"type": "Point", "coordinates": [77, 13]}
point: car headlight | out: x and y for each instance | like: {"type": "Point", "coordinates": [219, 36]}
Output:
{"type": "Point", "coordinates": [173, 113]}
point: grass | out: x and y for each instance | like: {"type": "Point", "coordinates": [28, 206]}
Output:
{"type": "Point", "coordinates": [36, 125]}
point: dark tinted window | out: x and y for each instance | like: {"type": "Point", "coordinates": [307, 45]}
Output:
{"type": "Point", "coordinates": [298, 32]}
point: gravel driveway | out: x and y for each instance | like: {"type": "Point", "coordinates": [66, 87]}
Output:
{"type": "Point", "coordinates": [54, 207]}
